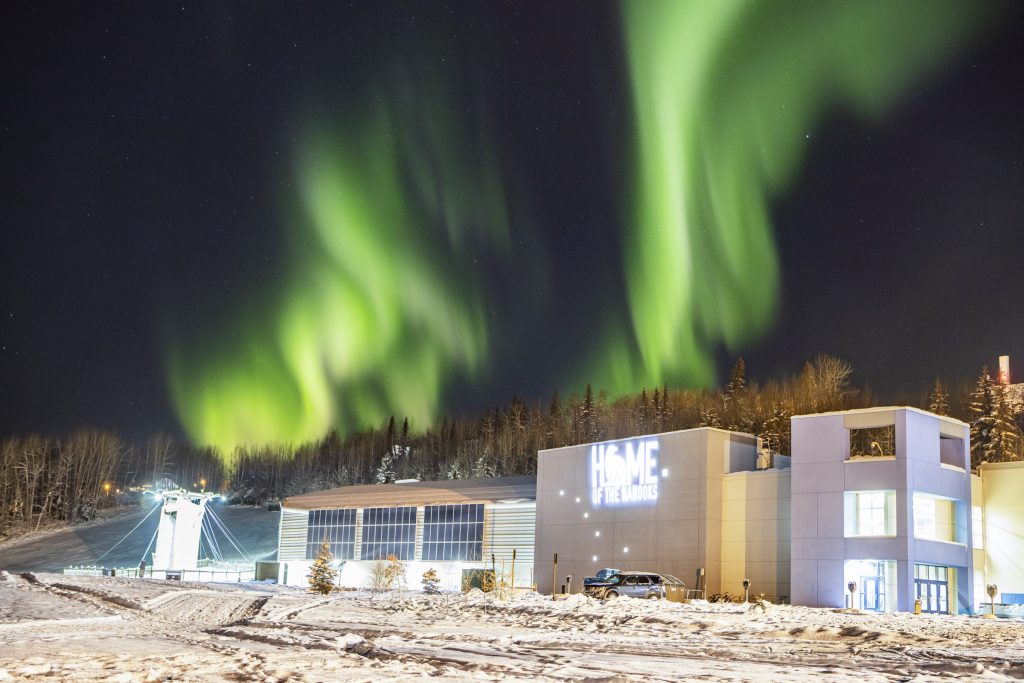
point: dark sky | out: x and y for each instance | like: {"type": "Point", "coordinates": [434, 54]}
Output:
{"type": "Point", "coordinates": [147, 167]}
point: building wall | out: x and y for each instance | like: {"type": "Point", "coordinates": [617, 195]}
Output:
{"type": "Point", "coordinates": [1003, 495]}
{"type": "Point", "coordinates": [676, 534]}
{"type": "Point", "coordinates": [507, 526]}
{"type": "Point", "coordinates": [755, 532]}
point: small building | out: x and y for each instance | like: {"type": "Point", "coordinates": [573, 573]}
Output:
{"type": "Point", "coordinates": [705, 505]}
{"type": "Point", "coordinates": [881, 503]}
{"type": "Point", "coordinates": [460, 528]}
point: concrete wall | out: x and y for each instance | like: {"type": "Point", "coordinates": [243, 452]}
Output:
{"type": "Point", "coordinates": [755, 532]}
{"type": "Point", "coordinates": [676, 534]}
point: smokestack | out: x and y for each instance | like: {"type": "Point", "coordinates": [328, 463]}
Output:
{"type": "Point", "coordinates": [1004, 369]}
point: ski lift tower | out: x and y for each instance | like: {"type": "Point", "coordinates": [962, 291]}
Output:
{"type": "Point", "coordinates": [181, 525]}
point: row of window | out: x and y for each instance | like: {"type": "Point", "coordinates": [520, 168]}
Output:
{"type": "Point", "coordinates": [450, 532]}
{"type": "Point", "coordinates": [873, 513]}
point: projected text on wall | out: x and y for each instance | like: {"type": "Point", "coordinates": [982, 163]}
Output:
{"type": "Point", "coordinates": [624, 473]}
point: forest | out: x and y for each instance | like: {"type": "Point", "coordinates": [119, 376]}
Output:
{"type": "Point", "coordinates": [47, 481]}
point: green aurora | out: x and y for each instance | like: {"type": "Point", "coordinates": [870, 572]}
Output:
{"type": "Point", "coordinates": [385, 302]}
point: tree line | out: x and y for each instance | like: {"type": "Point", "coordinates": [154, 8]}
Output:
{"type": "Point", "coordinates": [46, 480]}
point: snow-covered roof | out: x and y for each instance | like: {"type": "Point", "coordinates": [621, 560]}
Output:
{"type": "Point", "coordinates": [445, 492]}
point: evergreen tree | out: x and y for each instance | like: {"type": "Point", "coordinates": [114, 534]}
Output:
{"type": "Point", "coordinates": [321, 574]}
{"type": "Point", "coordinates": [588, 417]}
{"type": "Point", "coordinates": [1005, 436]}
{"type": "Point", "coordinates": [431, 584]}
{"type": "Point", "coordinates": [938, 400]}
{"type": "Point", "coordinates": [737, 378]}
{"type": "Point", "coordinates": [983, 418]}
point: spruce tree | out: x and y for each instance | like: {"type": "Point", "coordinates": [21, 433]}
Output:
{"type": "Point", "coordinates": [431, 584]}
{"type": "Point", "coordinates": [938, 400]}
{"type": "Point", "coordinates": [983, 411]}
{"type": "Point", "coordinates": [321, 574]}
{"type": "Point", "coordinates": [737, 378]}
{"type": "Point", "coordinates": [1005, 435]}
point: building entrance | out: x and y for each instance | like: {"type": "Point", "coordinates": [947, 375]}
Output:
{"type": "Point", "coordinates": [931, 583]}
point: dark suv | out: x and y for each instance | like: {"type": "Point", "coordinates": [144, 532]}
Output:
{"type": "Point", "coordinates": [602, 576]}
{"type": "Point", "coordinates": [633, 584]}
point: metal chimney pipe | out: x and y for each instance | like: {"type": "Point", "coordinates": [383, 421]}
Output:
{"type": "Point", "coordinates": [1004, 369]}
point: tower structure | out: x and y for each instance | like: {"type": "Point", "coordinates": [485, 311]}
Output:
{"type": "Point", "coordinates": [181, 525]}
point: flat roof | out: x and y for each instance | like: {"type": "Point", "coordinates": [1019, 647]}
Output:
{"type": "Point", "coordinates": [444, 492]}
{"type": "Point", "coordinates": [644, 436]}
{"type": "Point", "coordinates": [878, 409]}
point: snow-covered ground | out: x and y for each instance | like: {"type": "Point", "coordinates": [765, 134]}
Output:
{"type": "Point", "coordinates": [122, 629]}
{"type": "Point", "coordinates": [255, 528]}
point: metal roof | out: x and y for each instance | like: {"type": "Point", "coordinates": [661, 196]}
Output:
{"type": "Point", "coordinates": [446, 492]}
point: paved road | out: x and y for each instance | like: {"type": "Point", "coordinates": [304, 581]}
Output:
{"type": "Point", "coordinates": [255, 529]}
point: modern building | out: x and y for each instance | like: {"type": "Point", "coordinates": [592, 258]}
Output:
{"type": "Point", "coordinates": [698, 500]}
{"type": "Point", "coordinates": [881, 508]}
{"type": "Point", "coordinates": [882, 498]}
{"type": "Point", "coordinates": [458, 528]}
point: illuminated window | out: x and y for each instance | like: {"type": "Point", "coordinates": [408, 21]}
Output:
{"type": "Point", "coordinates": [978, 528]}
{"type": "Point", "coordinates": [338, 527]}
{"type": "Point", "coordinates": [389, 531]}
{"type": "Point", "coordinates": [871, 514]}
{"type": "Point", "coordinates": [924, 517]}
{"type": "Point", "coordinates": [453, 532]}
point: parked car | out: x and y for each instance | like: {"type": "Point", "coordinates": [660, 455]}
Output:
{"type": "Point", "coordinates": [602, 576]}
{"type": "Point", "coordinates": [645, 585]}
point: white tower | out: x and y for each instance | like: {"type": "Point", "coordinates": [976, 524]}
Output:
{"type": "Point", "coordinates": [1004, 369]}
{"type": "Point", "coordinates": [181, 525]}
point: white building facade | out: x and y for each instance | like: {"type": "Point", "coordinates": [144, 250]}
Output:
{"type": "Point", "coordinates": [881, 509]}
{"type": "Point", "coordinates": [460, 529]}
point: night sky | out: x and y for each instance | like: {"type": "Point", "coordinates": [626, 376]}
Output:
{"type": "Point", "coordinates": [259, 220]}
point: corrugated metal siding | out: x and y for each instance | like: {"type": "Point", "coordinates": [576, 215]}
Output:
{"type": "Point", "coordinates": [291, 543]}
{"type": "Point", "coordinates": [509, 526]}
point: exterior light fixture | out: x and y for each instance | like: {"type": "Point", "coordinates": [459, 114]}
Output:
{"type": "Point", "coordinates": [594, 558]}
{"type": "Point", "coordinates": [577, 499]}
{"type": "Point", "coordinates": [626, 549]}
{"type": "Point", "coordinates": [562, 492]}
{"type": "Point", "coordinates": [597, 533]}
{"type": "Point", "coordinates": [585, 515]}
{"type": "Point", "coordinates": [664, 471]}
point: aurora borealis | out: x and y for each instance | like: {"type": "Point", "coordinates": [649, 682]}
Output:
{"type": "Point", "coordinates": [256, 226]}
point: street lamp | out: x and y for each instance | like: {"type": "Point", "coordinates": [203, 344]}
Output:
{"type": "Point", "coordinates": [202, 483]}
{"type": "Point", "coordinates": [106, 488]}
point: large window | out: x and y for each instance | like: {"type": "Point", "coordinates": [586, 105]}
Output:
{"type": "Point", "coordinates": [453, 532]}
{"type": "Point", "coordinates": [869, 513]}
{"type": "Point", "coordinates": [338, 527]}
{"type": "Point", "coordinates": [389, 531]}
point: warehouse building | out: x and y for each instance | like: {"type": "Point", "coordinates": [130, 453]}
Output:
{"type": "Point", "coordinates": [459, 528]}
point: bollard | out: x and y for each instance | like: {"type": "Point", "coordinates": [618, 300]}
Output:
{"type": "Point", "coordinates": [917, 606]}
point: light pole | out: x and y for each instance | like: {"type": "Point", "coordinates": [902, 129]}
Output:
{"type": "Point", "coordinates": [852, 586]}
{"type": "Point", "coordinates": [106, 488]}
